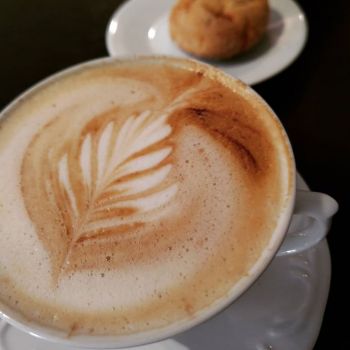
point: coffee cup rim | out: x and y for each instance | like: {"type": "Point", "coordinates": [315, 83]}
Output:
{"type": "Point", "coordinates": [150, 336]}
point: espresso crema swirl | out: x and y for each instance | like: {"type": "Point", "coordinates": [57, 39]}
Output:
{"type": "Point", "coordinates": [135, 194]}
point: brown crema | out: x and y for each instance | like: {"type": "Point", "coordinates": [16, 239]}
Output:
{"type": "Point", "coordinates": [135, 194]}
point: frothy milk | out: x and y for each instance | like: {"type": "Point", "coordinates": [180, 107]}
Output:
{"type": "Point", "coordinates": [135, 194]}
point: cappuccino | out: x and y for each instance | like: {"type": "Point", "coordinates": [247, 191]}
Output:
{"type": "Point", "coordinates": [135, 194]}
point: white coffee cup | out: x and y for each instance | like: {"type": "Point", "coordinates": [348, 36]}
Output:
{"type": "Point", "coordinates": [317, 207]}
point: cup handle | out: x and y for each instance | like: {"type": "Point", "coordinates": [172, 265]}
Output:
{"type": "Point", "coordinates": [310, 222]}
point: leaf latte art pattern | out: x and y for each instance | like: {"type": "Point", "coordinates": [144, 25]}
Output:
{"type": "Point", "coordinates": [113, 181]}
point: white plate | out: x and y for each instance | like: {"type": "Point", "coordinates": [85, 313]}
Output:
{"type": "Point", "coordinates": [140, 27]}
{"type": "Point", "coordinates": [282, 310]}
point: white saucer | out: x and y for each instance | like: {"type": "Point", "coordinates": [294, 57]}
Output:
{"type": "Point", "coordinates": [282, 310]}
{"type": "Point", "coordinates": [140, 27]}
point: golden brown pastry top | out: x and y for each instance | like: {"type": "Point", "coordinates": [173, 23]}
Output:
{"type": "Point", "coordinates": [218, 29]}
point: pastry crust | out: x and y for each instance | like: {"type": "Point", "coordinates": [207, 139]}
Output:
{"type": "Point", "coordinates": [218, 29]}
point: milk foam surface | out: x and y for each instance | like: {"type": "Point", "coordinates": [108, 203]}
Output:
{"type": "Point", "coordinates": [133, 196]}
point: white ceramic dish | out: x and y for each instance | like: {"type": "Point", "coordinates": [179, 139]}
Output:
{"type": "Point", "coordinates": [140, 27]}
{"type": "Point", "coordinates": [282, 310]}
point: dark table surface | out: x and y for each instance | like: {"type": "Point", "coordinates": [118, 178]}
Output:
{"type": "Point", "coordinates": [40, 37]}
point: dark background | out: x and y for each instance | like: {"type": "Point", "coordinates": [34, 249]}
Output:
{"type": "Point", "coordinates": [40, 37]}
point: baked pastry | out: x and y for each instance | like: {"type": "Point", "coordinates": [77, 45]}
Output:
{"type": "Point", "coordinates": [218, 29]}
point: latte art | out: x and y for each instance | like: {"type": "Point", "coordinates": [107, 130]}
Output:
{"type": "Point", "coordinates": [135, 195]}
{"type": "Point", "coordinates": [103, 186]}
